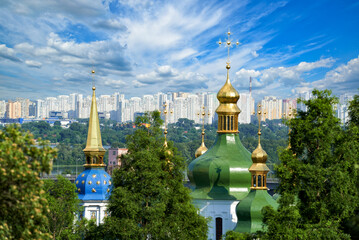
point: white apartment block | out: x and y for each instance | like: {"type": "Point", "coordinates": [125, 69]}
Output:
{"type": "Point", "coordinates": [2, 108]}
{"type": "Point", "coordinates": [245, 104]}
{"type": "Point", "coordinates": [271, 108]}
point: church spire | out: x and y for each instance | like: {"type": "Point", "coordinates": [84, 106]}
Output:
{"type": "Point", "coordinates": [228, 96]}
{"type": "Point", "coordinates": [259, 168]}
{"type": "Point", "coordinates": [94, 150]}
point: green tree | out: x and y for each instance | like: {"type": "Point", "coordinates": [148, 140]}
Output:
{"type": "Point", "coordinates": [149, 198]}
{"type": "Point", "coordinates": [64, 207]}
{"type": "Point", "coordinates": [318, 176]}
{"type": "Point", "coordinates": [23, 206]}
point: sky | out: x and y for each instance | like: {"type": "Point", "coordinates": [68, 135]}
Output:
{"type": "Point", "coordinates": [48, 48]}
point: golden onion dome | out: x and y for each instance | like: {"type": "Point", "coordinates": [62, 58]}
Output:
{"type": "Point", "coordinates": [201, 150]}
{"type": "Point", "coordinates": [227, 94]}
{"type": "Point", "coordinates": [259, 155]}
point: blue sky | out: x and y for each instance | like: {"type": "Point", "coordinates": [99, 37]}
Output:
{"type": "Point", "coordinates": [48, 48]}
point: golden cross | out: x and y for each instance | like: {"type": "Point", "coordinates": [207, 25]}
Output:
{"type": "Point", "coordinates": [228, 44]}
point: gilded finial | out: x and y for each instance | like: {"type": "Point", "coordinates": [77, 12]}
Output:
{"type": "Point", "coordinates": [288, 117]}
{"type": "Point", "coordinates": [165, 112]}
{"type": "Point", "coordinates": [228, 44]}
{"type": "Point", "coordinates": [93, 79]}
{"type": "Point", "coordinates": [202, 149]}
{"type": "Point", "coordinates": [259, 112]}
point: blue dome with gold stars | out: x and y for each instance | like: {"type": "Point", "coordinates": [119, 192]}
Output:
{"type": "Point", "coordinates": [93, 184]}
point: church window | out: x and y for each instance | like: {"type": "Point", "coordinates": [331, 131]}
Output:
{"type": "Point", "coordinates": [219, 228]}
{"type": "Point", "coordinates": [259, 181]}
{"type": "Point", "coordinates": [264, 182]}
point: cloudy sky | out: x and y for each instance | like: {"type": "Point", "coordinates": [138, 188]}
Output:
{"type": "Point", "coordinates": [48, 48]}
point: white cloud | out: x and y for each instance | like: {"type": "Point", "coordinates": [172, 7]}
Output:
{"type": "Point", "coordinates": [276, 79]}
{"type": "Point", "coordinates": [8, 53]}
{"type": "Point", "coordinates": [344, 78]}
{"type": "Point", "coordinates": [32, 63]}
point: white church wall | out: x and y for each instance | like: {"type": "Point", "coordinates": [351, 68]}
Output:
{"type": "Point", "coordinates": [225, 209]}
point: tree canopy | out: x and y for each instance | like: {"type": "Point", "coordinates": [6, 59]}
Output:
{"type": "Point", "coordinates": [63, 205]}
{"type": "Point", "coordinates": [23, 206]}
{"type": "Point", "coordinates": [318, 175]}
{"type": "Point", "coordinates": [149, 199]}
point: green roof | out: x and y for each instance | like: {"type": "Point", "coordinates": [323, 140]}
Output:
{"type": "Point", "coordinates": [249, 211]}
{"type": "Point", "coordinates": [222, 172]}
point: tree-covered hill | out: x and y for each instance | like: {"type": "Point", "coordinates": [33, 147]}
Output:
{"type": "Point", "coordinates": [185, 134]}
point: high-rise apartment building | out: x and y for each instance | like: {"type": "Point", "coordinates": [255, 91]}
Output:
{"type": "Point", "coordinates": [304, 96]}
{"type": "Point", "coordinates": [342, 108]}
{"type": "Point", "coordinates": [2, 108]}
{"type": "Point", "coordinates": [289, 107]}
{"type": "Point", "coordinates": [244, 103]}
{"type": "Point", "coordinates": [13, 109]}
{"type": "Point", "coordinates": [272, 108]}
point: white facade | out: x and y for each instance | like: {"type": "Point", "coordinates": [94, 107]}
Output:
{"type": "Point", "coordinates": [95, 210]}
{"type": "Point", "coordinates": [224, 209]}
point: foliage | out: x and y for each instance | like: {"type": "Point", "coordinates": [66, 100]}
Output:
{"type": "Point", "coordinates": [231, 235]}
{"type": "Point", "coordinates": [64, 207]}
{"type": "Point", "coordinates": [23, 206]}
{"type": "Point", "coordinates": [319, 182]}
{"type": "Point", "coordinates": [354, 111]}
{"type": "Point", "coordinates": [149, 199]}
{"type": "Point", "coordinates": [185, 134]}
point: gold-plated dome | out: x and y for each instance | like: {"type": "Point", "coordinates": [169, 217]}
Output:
{"type": "Point", "coordinates": [259, 155]}
{"type": "Point", "coordinates": [202, 149]}
{"type": "Point", "coordinates": [228, 94]}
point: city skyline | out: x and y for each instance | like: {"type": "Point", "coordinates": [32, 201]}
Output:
{"type": "Point", "coordinates": [180, 104]}
{"type": "Point", "coordinates": [48, 48]}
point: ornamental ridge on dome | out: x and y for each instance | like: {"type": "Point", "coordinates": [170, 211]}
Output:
{"type": "Point", "coordinates": [94, 150]}
{"type": "Point", "coordinates": [259, 169]}
{"type": "Point", "coordinates": [228, 97]}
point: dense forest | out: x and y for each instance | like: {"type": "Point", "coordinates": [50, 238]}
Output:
{"type": "Point", "coordinates": [185, 134]}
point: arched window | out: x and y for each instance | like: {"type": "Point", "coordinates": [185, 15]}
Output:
{"type": "Point", "coordinates": [224, 123]}
{"type": "Point", "coordinates": [259, 181]}
{"type": "Point", "coordinates": [219, 228]}
{"type": "Point", "coordinates": [232, 122]}
{"type": "Point", "coordinates": [264, 182]}
{"type": "Point", "coordinates": [254, 180]}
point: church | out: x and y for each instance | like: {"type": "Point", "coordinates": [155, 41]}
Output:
{"type": "Point", "coordinates": [229, 183]}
